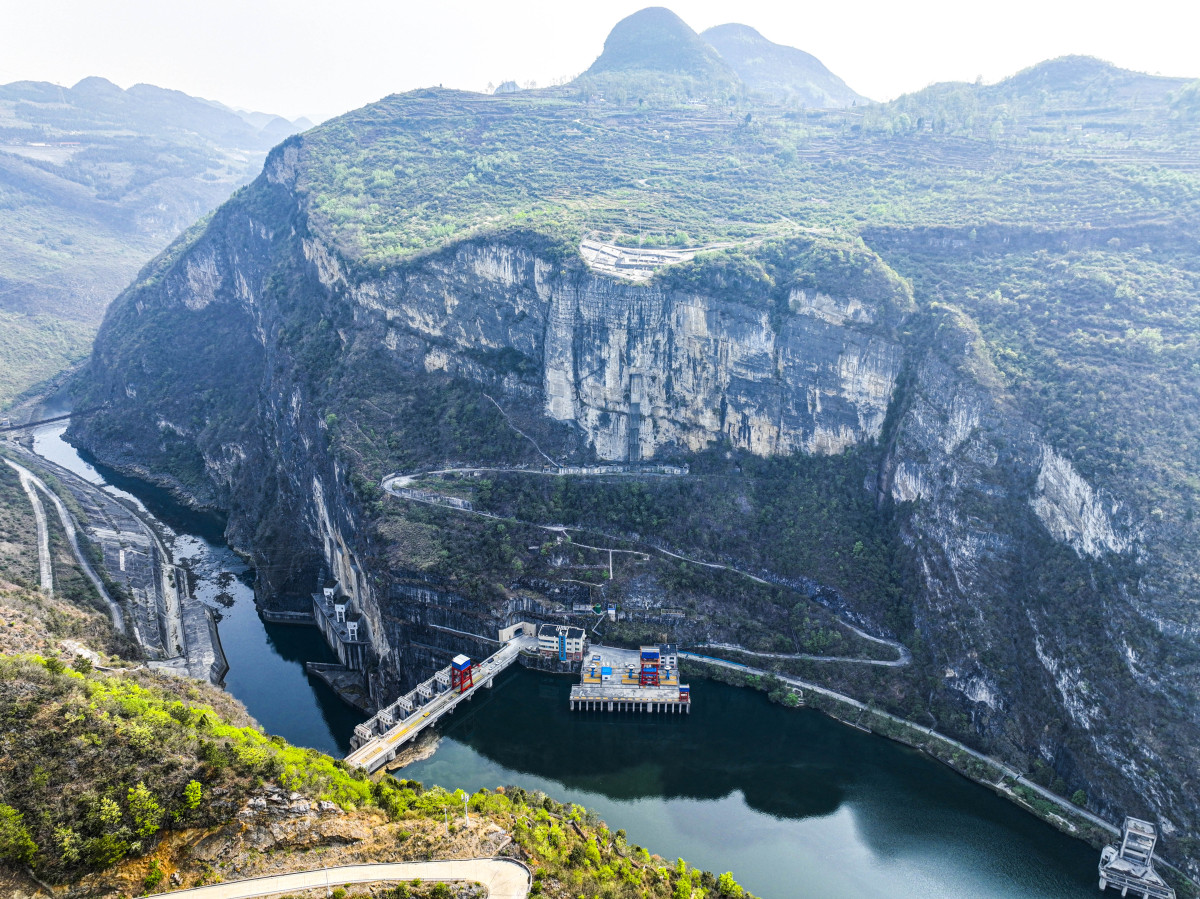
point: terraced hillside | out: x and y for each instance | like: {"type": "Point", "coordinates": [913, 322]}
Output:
{"type": "Point", "coordinates": [94, 180]}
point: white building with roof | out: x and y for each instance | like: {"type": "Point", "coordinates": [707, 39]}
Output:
{"type": "Point", "coordinates": [562, 641]}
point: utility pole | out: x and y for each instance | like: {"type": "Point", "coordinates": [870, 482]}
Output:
{"type": "Point", "coordinates": [467, 811]}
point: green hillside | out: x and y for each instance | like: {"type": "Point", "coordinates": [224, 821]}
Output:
{"type": "Point", "coordinates": [418, 171]}
{"type": "Point", "coordinates": [94, 180]}
{"type": "Point", "coordinates": [932, 369]}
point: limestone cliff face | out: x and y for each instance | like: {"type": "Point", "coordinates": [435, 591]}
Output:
{"type": "Point", "coordinates": [641, 367]}
{"type": "Point", "coordinates": [1074, 513]}
{"type": "Point", "coordinates": [213, 365]}
{"type": "Point", "coordinates": [207, 368]}
{"type": "Point", "coordinates": [1027, 574]}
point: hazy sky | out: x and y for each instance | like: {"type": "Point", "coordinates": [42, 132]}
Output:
{"type": "Point", "coordinates": [321, 58]}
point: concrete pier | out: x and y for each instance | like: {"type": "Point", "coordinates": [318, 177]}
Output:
{"type": "Point", "coordinates": [581, 703]}
{"type": "Point", "coordinates": [631, 680]}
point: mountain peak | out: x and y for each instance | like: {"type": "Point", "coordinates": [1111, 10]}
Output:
{"type": "Point", "coordinates": [656, 40]}
{"type": "Point", "coordinates": [94, 84]}
{"type": "Point", "coordinates": [1085, 76]}
{"type": "Point", "coordinates": [732, 31]}
{"type": "Point", "coordinates": [778, 70]}
{"type": "Point", "coordinates": [1066, 72]}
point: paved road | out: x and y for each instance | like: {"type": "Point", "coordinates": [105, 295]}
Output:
{"type": "Point", "coordinates": [841, 697]}
{"type": "Point", "coordinates": [1017, 776]}
{"type": "Point", "coordinates": [68, 524]}
{"type": "Point", "coordinates": [45, 563]}
{"type": "Point", "coordinates": [504, 878]}
{"type": "Point", "coordinates": [397, 485]}
{"type": "Point", "coordinates": [175, 630]}
{"type": "Point", "coordinates": [904, 659]}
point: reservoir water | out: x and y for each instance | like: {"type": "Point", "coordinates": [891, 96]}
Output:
{"type": "Point", "coordinates": [792, 802]}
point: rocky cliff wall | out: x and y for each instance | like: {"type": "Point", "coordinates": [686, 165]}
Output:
{"type": "Point", "coordinates": [215, 368]}
{"type": "Point", "coordinates": [211, 367]}
{"type": "Point", "coordinates": [689, 368]}
{"type": "Point", "coordinates": [1029, 576]}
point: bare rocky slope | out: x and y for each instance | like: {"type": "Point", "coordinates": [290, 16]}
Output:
{"type": "Point", "coordinates": [866, 442]}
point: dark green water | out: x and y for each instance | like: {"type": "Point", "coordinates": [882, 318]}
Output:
{"type": "Point", "coordinates": [793, 803]}
{"type": "Point", "coordinates": [266, 661]}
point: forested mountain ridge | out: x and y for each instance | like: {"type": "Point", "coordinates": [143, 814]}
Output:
{"type": "Point", "coordinates": [94, 180]}
{"type": "Point", "coordinates": [930, 377]}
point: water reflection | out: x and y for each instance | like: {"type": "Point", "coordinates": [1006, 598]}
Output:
{"type": "Point", "coordinates": [793, 802]}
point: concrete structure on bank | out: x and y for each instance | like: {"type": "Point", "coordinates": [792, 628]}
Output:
{"type": "Point", "coordinates": [177, 632]}
{"type": "Point", "coordinates": [344, 630]}
{"type": "Point", "coordinates": [631, 680]}
{"type": "Point", "coordinates": [562, 641]}
{"type": "Point", "coordinates": [1129, 866]}
{"type": "Point", "coordinates": [377, 740]}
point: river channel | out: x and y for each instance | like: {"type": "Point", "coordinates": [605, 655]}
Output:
{"type": "Point", "coordinates": [792, 802]}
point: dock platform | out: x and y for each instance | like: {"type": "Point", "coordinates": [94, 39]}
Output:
{"type": "Point", "coordinates": [631, 680]}
{"type": "Point", "coordinates": [1129, 865]}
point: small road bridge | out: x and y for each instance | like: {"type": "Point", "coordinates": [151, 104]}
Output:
{"type": "Point", "coordinates": [376, 742]}
{"type": "Point", "coordinates": [6, 425]}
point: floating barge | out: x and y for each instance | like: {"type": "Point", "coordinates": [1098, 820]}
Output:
{"type": "Point", "coordinates": [1129, 867]}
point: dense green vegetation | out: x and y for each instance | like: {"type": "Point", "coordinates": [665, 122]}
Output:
{"type": "Point", "coordinates": [36, 348]}
{"type": "Point", "coordinates": [805, 519]}
{"type": "Point", "coordinates": [421, 170]}
{"type": "Point", "coordinates": [1098, 345]}
{"type": "Point", "coordinates": [96, 766]}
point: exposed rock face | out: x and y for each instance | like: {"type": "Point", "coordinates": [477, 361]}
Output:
{"type": "Point", "coordinates": [697, 368]}
{"type": "Point", "coordinates": [1071, 510]}
{"type": "Point", "coordinates": [220, 411]}
{"type": "Point", "coordinates": [997, 518]}
{"type": "Point", "coordinates": [212, 367]}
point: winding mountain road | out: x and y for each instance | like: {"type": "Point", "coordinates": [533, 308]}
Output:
{"type": "Point", "coordinates": [399, 485]}
{"type": "Point", "coordinates": [905, 657]}
{"type": "Point", "coordinates": [68, 524]}
{"type": "Point", "coordinates": [45, 563]}
{"type": "Point", "coordinates": [504, 878]}
{"type": "Point", "coordinates": [1004, 768]}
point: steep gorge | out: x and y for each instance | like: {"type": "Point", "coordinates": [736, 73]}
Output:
{"type": "Point", "coordinates": [240, 369]}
